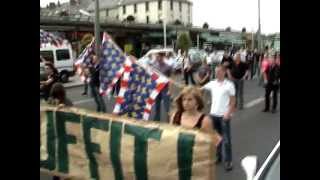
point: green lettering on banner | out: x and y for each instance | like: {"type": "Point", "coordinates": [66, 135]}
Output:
{"type": "Point", "coordinates": [50, 162]}
{"type": "Point", "coordinates": [115, 146]}
{"type": "Point", "coordinates": [141, 135]}
{"type": "Point", "coordinates": [88, 123]}
{"type": "Point", "coordinates": [185, 151]}
{"type": "Point", "coordinates": [64, 138]}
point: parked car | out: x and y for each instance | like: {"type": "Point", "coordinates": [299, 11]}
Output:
{"type": "Point", "coordinates": [62, 59]}
{"type": "Point", "coordinates": [270, 169]}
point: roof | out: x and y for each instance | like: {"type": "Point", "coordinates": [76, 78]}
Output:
{"type": "Point", "coordinates": [105, 4]}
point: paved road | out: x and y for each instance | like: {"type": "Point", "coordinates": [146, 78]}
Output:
{"type": "Point", "coordinates": [253, 132]}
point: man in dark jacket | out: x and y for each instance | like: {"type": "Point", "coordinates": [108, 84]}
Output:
{"type": "Point", "coordinates": [95, 84]}
{"type": "Point", "coordinates": [271, 78]}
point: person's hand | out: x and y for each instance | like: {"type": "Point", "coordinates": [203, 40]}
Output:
{"type": "Point", "coordinates": [226, 116]}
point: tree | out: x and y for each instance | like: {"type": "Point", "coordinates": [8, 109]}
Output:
{"type": "Point", "coordinates": [86, 39]}
{"type": "Point", "coordinates": [59, 5]}
{"type": "Point", "coordinates": [205, 25]}
{"type": "Point", "coordinates": [228, 29]}
{"type": "Point", "coordinates": [184, 42]}
{"type": "Point", "coordinates": [177, 22]}
{"type": "Point", "coordinates": [130, 18]}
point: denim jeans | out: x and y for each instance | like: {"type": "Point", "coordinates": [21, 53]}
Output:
{"type": "Point", "coordinates": [165, 99]}
{"type": "Point", "coordinates": [101, 106]}
{"type": "Point", "coordinates": [238, 83]}
{"type": "Point", "coordinates": [224, 150]}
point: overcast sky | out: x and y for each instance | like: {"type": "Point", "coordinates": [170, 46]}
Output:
{"type": "Point", "coordinates": [234, 13]}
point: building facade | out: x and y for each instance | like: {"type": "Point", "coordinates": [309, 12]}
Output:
{"type": "Point", "coordinates": [146, 11]}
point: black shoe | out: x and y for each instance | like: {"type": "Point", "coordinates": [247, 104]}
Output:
{"type": "Point", "coordinates": [273, 111]}
{"type": "Point", "coordinates": [265, 110]}
{"type": "Point", "coordinates": [228, 166]}
{"type": "Point", "coordinates": [84, 93]}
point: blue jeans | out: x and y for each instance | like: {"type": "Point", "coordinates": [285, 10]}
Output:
{"type": "Point", "coordinates": [165, 99]}
{"type": "Point", "coordinates": [101, 106]}
{"type": "Point", "coordinates": [238, 83]}
{"type": "Point", "coordinates": [224, 150]}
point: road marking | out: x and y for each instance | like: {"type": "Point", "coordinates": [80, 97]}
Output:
{"type": "Point", "coordinates": [83, 101]}
{"type": "Point", "coordinates": [254, 102]}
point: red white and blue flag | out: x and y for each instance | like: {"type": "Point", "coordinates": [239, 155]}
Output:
{"type": "Point", "coordinates": [139, 89]}
{"type": "Point", "coordinates": [49, 38]}
{"type": "Point", "coordinates": [112, 64]}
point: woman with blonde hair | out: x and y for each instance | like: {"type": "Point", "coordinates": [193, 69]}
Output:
{"type": "Point", "coordinates": [189, 112]}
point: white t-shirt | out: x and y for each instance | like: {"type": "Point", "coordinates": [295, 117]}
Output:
{"type": "Point", "coordinates": [220, 94]}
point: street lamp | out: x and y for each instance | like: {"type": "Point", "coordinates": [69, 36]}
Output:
{"type": "Point", "coordinates": [97, 28]}
{"type": "Point", "coordinates": [259, 28]}
{"type": "Point", "coordinates": [164, 24]}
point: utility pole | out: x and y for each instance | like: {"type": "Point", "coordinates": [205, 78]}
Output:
{"type": "Point", "coordinates": [259, 29]}
{"type": "Point", "coordinates": [97, 28]}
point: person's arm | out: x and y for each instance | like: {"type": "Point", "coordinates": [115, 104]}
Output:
{"type": "Point", "coordinates": [46, 82]}
{"type": "Point", "coordinates": [172, 117]}
{"type": "Point", "coordinates": [229, 74]}
{"type": "Point", "coordinates": [231, 108]}
{"type": "Point", "coordinates": [207, 126]}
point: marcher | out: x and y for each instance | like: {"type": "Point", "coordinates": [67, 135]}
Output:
{"type": "Point", "coordinates": [86, 74]}
{"type": "Point", "coordinates": [237, 74]}
{"type": "Point", "coordinates": [203, 74]}
{"type": "Point", "coordinates": [95, 84]}
{"type": "Point", "coordinates": [222, 107]}
{"type": "Point", "coordinates": [164, 96]}
{"type": "Point", "coordinates": [189, 112]}
{"type": "Point", "coordinates": [58, 96]}
{"type": "Point", "coordinates": [187, 69]}
{"type": "Point", "coordinates": [271, 76]}
{"type": "Point", "coordinates": [53, 77]}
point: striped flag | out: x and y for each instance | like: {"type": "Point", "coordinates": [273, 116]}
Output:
{"type": "Point", "coordinates": [49, 38]}
{"type": "Point", "coordinates": [112, 64]}
{"type": "Point", "coordinates": [84, 59]}
{"type": "Point", "coordinates": [139, 89]}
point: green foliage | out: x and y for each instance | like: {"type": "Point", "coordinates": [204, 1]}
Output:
{"type": "Point", "coordinates": [184, 41]}
{"type": "Point", "coordinates": [86, 39]}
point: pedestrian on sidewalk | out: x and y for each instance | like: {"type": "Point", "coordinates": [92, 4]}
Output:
{"type": "Point", "coordinates": [271, 76]}
{"type": "Point", "coordinates": [238, 73]}
{"type": "Point", "coordinates": [94, 84]}
{"type": "Point", "coordinates": [189, 112]}
{"type": "Point", "coordinates": [222, 107]}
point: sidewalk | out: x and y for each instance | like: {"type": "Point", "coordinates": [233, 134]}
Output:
{"type": "Point", "coordinates": [74, 81]}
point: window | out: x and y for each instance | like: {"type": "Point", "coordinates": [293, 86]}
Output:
{"type": "Point", "coordinates": [63, 54]}
{"type": "Point", "coordinates": [135, 8]}
{"type": "Point", "coordinates": [160, 5]}
{"type": "Point", "coordinates": [180, 7]}
{"type": "Point", "coordinates": [147, 19]}
{"type": "Point", "coordinates": [47, 55]}
{"type": "Point", "coordinates": [147, 6]}
{"type": "Point", "coordinates": [171, 4]}
{"type": "Point", "coordinates": [107, 12]}
{"type": "Point", "coordinates": [123, 9]}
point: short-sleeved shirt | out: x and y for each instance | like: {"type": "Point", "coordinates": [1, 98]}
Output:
{"type": "Point", "coordinates": [220, 96]}
{"type": "Point", "coordinates": [238, 71]}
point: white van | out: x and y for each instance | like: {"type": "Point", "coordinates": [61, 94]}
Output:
{"type": "Point", "coordinates": [62, 59]}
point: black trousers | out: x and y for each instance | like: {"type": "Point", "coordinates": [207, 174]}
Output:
{"type": "Point", "coordinates": [187, 76]}
{"type": "Point", "coordinates": [271, 88]}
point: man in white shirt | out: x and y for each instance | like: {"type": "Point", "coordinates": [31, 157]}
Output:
{"type": "Point", "coordinates": [222, 106]}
